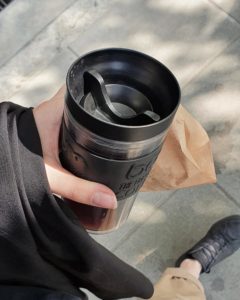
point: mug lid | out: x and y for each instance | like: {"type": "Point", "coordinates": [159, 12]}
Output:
{"type": "Point", "coordinates": [122, 94]}
{"type": "Point", "coordinates": [115, 103]}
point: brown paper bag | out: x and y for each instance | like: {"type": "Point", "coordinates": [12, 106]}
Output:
{"type": "Point", "coordinates": [186, 158]}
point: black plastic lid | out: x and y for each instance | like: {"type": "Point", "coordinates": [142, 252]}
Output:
{"type": "Point", "coordinates": [122, 94]}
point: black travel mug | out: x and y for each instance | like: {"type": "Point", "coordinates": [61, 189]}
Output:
{"type": "Point", "coordinates": [119, 105]}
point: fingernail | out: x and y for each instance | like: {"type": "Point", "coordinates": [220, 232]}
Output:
{"type": "Point", "coordinates": [104, 200]}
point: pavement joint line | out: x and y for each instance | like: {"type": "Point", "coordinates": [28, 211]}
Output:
{"type": "Point", "coordinates": [73, 51]}
{"type": "Point", "coordinates": [209, 63]}
{"type": "Point", "coordinates": [223, 10]}
{"type": "Point", "coordinates": [32, 75]}
{"type": "Point", "coordinates": [137, 226]}
{"type": "Point", "coordinates": [36, 34]}
{"type": "Point", "coordinates": [232, 199]}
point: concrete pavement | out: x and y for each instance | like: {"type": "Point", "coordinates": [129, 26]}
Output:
{"type": "Point", "coordinates": [199, 40]}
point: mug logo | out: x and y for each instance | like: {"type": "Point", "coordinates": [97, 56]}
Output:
{"type": "Point", "coordinates": [141, 169]}
{"type": "Point", "coordinates": [135, 171]}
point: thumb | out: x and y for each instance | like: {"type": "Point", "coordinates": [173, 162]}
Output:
{"type": "Point", "coordinates": [67, 185]}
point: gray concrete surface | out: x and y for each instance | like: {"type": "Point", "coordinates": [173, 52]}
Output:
{"type": "Point", "coordinates": [199, 41]}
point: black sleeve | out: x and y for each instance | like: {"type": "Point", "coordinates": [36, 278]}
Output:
{"type": "Point", "coordinates": [39, 245]}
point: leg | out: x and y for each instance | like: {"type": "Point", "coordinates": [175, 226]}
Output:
{"type": "Point", "coordinates": [222, 240]}
{"type": "Point", "coordinates": [180, 282]}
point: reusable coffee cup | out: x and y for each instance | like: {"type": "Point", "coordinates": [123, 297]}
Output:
{"type": "Point", "coordinates": [119, 105]}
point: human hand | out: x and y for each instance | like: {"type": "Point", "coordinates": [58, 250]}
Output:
{"type": "Point", "coordinates": [48, 118]}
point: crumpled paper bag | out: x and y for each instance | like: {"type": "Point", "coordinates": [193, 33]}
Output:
{"type": "Point", "coordinates": [185, 159]}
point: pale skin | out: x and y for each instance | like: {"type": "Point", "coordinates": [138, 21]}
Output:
{"type": "Point", "coordinates": [192, 266]}
{"type": "Point", "coordinates": [48, 117]}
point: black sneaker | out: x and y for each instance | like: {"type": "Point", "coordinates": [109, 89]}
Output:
{"type": "Point", "coordinates": [222, 240]}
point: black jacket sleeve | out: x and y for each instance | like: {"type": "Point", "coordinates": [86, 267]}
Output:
{"type": "Point", "coordinates": [40, 246]}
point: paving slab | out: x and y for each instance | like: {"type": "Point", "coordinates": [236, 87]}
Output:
{"type": "Point", "coordinates": [51, 41]}
{"type": "Point", "coordinates": [230, 184]}
{"type": "Point", "coordinates": [213, 98]}
{"type": "Point", "coordinates": [173, 228]}
{"type": "Point", "coordinates": [22, 20]}
{"type": "Point", "coordinates": [144, 206]}
{"type": "Point", "coordinates": [46, 83]}
{"type": "Point", "coordinates": [185, 35]}
{"type": "Point", "coordinates": [231, 7]}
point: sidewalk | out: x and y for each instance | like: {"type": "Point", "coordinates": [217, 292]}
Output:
{"type": "Point", "coordinates": [199, 40]}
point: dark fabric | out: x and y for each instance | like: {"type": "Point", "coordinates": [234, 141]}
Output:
{"type": "Point", "coordinates": [39, 245]}
{"type": "Point", "coordinates": [33, 293]}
